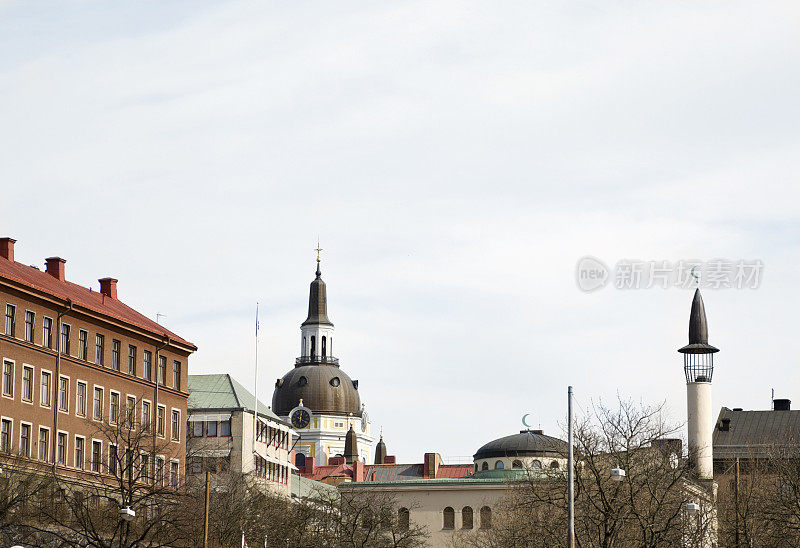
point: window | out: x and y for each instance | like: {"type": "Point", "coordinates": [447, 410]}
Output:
{"type": "Point", "coordinates": [61, 449]}
{"type": "Point", "coordinates": [80, 399]}
{"type": "Point", "coordinates": [146, 422]}
{"type": "Point", "coordinates": [486, 517]}
{"type": "Point", "coordinates": [176, 375]}
{"type": "Point", "coordinates": [99, 348]}
{"type": "Point", "coordinates": [98, 403]}
{"type": "Point", "coordinates": [83, 344]}
{"type": "Point", "coordinates": [162, 370]}
{"type": "Point", "coordinates": [174, 474]}
{"type": "Point", "coordinates": [131, 360]}
{"type": "Point", "coordinates": [5, 435]}
{"type": "Point", "coordinates": [65, 332]}
{"type": "Point", "coordinates": [211, 429]}
{"type": "Point", "coordinates": [27, 383]}
{"type": "Point", "coordinates": [112, 459]}
{"type": "Point", "coordinates": [536, 464]}
{"type": "Point", "coordinates": [466, 517]}
{"type": "Point", "coordinates": [97, 455]}
{"type": "Point", "coordinates": [44, 442]}
{"type": "Point", "coordinates": [498, 465]}
{"type": "Point", "coordinates": [8, 379]}
{"type": "Point", "coordinates": [114, 408]}
{"type": "Point", "coordinates": [144, 468]}
{"type": "Point", "coordinates": [11, 311]}
{"type": "Point", "coordinates": [313, 345]}
{"type": "Point", "coordinates": [402, 518]}
{"type": "Point", "coordinates": [176, 425]}
{"type": "Point", "coordinates": [25, 440]}
{"type": "Point", "coordinates": [225, 428]}
{"type": "Point", "coordinates": [47, 332]}
{"type": "Point", "coordinates": [79, 454]}
{"type": "Point", "coordinates": [160, 470]}
{"type": "Point", "coordinates": [300, 460]}
{"type": "Point", "coordinates": [197, 429]}
{"type": "Point", "coordinates": [516, 464]}
{"type": "Point", "coordinates": [554, 465]}
{"type": "Point", "coordinates": [147, 365]}
{"type": "Point", "coordinates": [130, 409]}
{"type": "Point", "coordinates": [324, 347]}
{"type": "Point", "coordinates": [63, 394]}
{"type": "Point", "coordinates": [44, 398]}
{"type": "Point", "coordinates": [485, 466]}
{"type": "Point", "coordinates": [160, 419]}
{"type": "Point", "coordinates": [449, 518]}
{"type": "Point", "coordinates": [30, 319]}
{"type": "Point", "coordinates": [115, 350]}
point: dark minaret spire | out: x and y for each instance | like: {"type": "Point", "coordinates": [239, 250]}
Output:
{"type": "Point", "coordinates": [698, 359]}
{"type": "Point", "coordinates": [350, 446]}
{"type": "Point", "coordinates": [380, 452]}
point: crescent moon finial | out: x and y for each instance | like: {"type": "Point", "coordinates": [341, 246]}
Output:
{"type": "Point", "coordinates": [525, 424]}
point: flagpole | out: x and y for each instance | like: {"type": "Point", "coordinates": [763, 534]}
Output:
{"type": "Point", "coordinates": [255, 389]}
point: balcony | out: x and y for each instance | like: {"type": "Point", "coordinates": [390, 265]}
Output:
{"type": "Point", "coordinates": [306, 360]}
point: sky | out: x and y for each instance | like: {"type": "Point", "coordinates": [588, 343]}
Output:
{"type": "Point", "coordinates": [455, 159]}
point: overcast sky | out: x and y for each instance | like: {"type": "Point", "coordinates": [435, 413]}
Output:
{"type": "Point", "coordinates": [456, 159]}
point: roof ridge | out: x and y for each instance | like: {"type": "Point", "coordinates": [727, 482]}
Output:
{"type": "Point", "coordinates": [233, 390]}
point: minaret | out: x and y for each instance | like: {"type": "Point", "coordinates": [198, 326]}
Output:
{"type": "Point", "coordinates": [380, 452]}
{"type": "Point", "coordinates": [316, 345]}
{"type": "Point", "coordinates": [698, 364]}
{"type": "Point", "coordinates": [350, 446]}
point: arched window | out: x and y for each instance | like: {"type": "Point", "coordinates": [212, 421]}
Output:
{"type": "Point", "coordinates": [402, 519]}
{"type": "Point", "coordinates": [313, 345]}
{"type": "Point", "coordinates": [299, 460]}
{"type": "Point", "coordinates": [516, 464]}
{"type": "Point", "coordinates": [449, 518]}
{"type": "Point", "coordinates": [330, 346]}
{"type": "Point", "coordinates": [485, 465]}
{"type": "Point", "coordinates": [324, 347]}
{"type": "Point", "coordinates": [498, 465]}
{"type": "Point", "coordinates": [466, 517]}
{"type": "Point", "coordinates": [536, 464]}
{"type": "Point", "coordinates": [554, 465]}
{"type": "Point", "coordinates": [486, 517]}
{"type": "Point", "coordinates": [304, 347]}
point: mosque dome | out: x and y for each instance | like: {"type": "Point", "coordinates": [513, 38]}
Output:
{"type": "Point", "coordinates": [528, 443]}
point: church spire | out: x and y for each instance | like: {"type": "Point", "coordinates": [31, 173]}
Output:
{"type": "Point", "coordinates": [317, 299]}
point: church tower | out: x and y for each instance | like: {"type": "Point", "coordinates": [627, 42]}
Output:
{"type": "Point", "coordinates": [698, 365]}
{"type": "Point", "coordinates": [319, 399]}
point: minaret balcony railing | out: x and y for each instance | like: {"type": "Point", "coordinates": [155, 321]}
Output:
{"type": "Point", "coordinates": [698, 367]}
{"type": "Point", "coordinates": [304, 360]}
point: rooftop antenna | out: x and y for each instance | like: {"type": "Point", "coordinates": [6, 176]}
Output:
{"type": "Point", "coordinates": [772, 399]}
{"type": "Point", "coordinates": [159, 315]}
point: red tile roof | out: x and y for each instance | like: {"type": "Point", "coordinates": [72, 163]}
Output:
{"type": "Point", "coordinates": [388, 472]}
{"type": "Point", "coordinates": [83, 297]}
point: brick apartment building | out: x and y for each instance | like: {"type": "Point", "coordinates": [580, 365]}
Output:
{"type": "Point", "coordinates": [72, 359]}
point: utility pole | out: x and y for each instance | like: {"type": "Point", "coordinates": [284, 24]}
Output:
{"type": "Point", "coordinates": [205, 517]}
{"type": "Point", "coordinates": [736, 503]}
{"type": "Point", "coordinates": [570, 475]}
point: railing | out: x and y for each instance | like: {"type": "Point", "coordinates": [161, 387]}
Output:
{"type": "Point", "coordinates": [302, 360]}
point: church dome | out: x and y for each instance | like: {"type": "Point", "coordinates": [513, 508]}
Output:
{"type": "Point", "coordinates": [528, 443]}
{"type": "Point", "coordinates": [323, 389]}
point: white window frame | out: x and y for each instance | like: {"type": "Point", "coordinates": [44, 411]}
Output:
{"type": "Point", "coordinates": [85, 397]}
{"type": "Point", "coordinates": [91, 457]}
{"type": "Point", "coordinates": [164, 424]}
{"type": "Point", "coordinates": [83, 350]}
{"type": "Point", "coordinates": [13, 364]}
{"type": "Point", "coordinates": [10, 433]}
{"type": "Point", "coordinates": [66, 448]}
{"type": "Point", "coordinates": [116, 455]}
{"type": "Point", "coordinates": [58, 394]}
{"type": "Point", "coordinates": [171, 433]}
{"type": "Point", "coordinates": [30, 437]}
{"type": "Point", "coordinates": [149, 423]}
{"type": "Point", "coordinates": [75, 450]}
{"type": "Point", "coordinates": [169, 480]}
{"type": "Point", "coordinates": [61, 338]}
{"type": "Point", "coordinates": [47, 446]}
{"type": "Point", "coordinates": [52, 324]}
{"type": "Point", "coordinates": [163, 470]}
{"type": "Point", "coordinates": [133, 412]}
{"type": "Point", "coordinates": [33, 327]}
{"type": "Point", "coordinates": [102, 402]}
{"type": "Point", "coordinates": [32, 369]}
{"type": "Point", "coordinates": [13, 325]}
{"type": "Point", "coordinates": [112, 420]}
{"type": "Point", "coordinates": [42, 371]}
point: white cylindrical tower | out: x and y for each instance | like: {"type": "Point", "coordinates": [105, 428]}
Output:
{"type": "Point", "coordinates": [698, 365]}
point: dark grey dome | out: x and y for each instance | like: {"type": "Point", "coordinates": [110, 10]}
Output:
{"type": "Point", "coordinates": [318, 387]}
{"type": "Point", "coordinates": [528, 443]}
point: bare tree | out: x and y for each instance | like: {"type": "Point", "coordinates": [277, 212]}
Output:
{"type": "Point", "coordinates": [22, 480]}
{"type": "Point", "coordinates": [647, 508]}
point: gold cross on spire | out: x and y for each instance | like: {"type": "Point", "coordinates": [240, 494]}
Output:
{"type": "Point", "coordinates": [318, 249]}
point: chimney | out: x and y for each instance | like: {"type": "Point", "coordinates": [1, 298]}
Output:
{"type": "Point", "coordinates": [55, 267]}
{"type": "Point", "coordinates": [725, 425]}
{"type": "Point", "coordinates": [430, 466]}
{"type": "Point", "coordinates": [309, 467]}
{"type": "Point", "coordinates": [390, 459]}
{"type": "Point", "coordinates": [782, 405]}
{"type": "Point", "coordinates": [108, 287]}
{"type": "Point", "coordinates": [7, 248]}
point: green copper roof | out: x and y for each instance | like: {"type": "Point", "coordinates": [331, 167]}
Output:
{"type": "Point", "coordinates": [304, 487]}
{"type": "Point", "coordinates": [223, 392]}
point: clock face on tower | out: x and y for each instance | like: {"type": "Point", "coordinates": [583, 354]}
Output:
{"type": "Point", "coordinates": [301, 418]}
